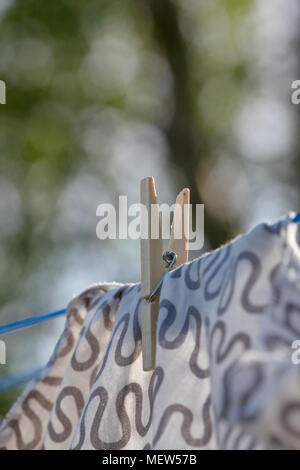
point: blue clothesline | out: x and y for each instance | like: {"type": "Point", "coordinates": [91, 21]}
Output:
{"type": "Point", "coordinates": [14, 380]}
{"type": "Point", "coordinates": [17, 325]}
{"type": "Point", "coordinates": [296, 219]}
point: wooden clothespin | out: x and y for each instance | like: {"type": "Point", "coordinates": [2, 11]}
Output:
{"type": "Point", "coordinates": [152, 265]}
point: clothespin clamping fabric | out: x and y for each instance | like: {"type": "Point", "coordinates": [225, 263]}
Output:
{"type": "Point", "coordinates": [152, 257]}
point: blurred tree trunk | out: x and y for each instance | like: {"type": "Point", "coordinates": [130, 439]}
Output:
{"type": "Point", "coordinates": [188, 148]}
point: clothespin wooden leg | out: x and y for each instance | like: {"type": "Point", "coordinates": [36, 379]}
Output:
{"type": "Point", "coordinates": [149, 320]}
{"type": "Point", "coordinates": [179, 240]}
{"type": "Point", "coordinates": [152, 268]}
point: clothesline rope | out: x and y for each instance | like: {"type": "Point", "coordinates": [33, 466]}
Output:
{"type": "Point", "coordinates": [296, 219]}
{"type": "Point", "coordinates": [17, 325]}
{"type": "Point", "coordinates": [15, 380]}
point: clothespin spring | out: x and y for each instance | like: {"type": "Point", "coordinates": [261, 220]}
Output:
{"type": "Point", "coordinates": [170, 258]}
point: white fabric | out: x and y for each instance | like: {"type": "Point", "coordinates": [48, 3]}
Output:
{"type": "Point", "coordinates": [224, 377]}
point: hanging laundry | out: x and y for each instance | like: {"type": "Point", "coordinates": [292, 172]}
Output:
{"type": "Point", "coordinates": [224, 375]}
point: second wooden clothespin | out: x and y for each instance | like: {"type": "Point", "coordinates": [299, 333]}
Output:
{"type": "Point", "coordinates": [152, 265]}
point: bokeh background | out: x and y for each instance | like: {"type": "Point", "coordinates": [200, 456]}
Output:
{"type": "Point", "coordinates": [102, 93]}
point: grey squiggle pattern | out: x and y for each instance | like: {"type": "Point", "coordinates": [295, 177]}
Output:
{"type": "Point", "coordinates": [223, 379]}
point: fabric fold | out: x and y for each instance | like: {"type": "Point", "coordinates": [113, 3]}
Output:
{"type": "Point", "coordinates": [224, 376]}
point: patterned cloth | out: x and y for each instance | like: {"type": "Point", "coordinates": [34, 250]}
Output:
{"type": "Point", "coordinates": [224, 377]}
